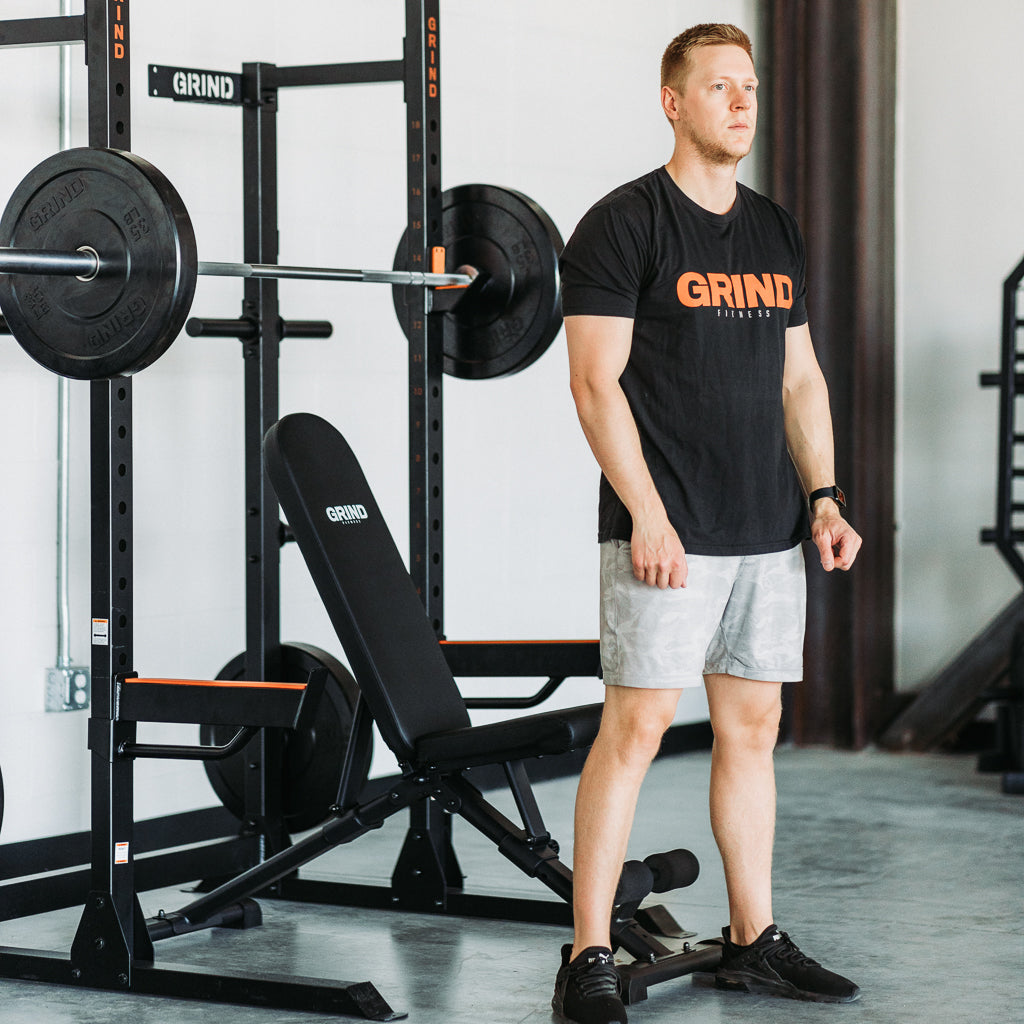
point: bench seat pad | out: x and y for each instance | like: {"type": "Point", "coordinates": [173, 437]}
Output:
{"type": "Point", "coordinates": [553, 732]}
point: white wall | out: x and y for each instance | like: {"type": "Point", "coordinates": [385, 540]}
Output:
{"type": "Point", "coordinates": [559, 101]}
{"type": "Point", "coordinates": [961, 232]}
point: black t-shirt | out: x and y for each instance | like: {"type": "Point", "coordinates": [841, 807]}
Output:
{"type": "Point", "coordinates": [711, 296]}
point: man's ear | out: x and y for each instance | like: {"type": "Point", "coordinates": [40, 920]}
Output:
{"type": "Point", "coordinates": [670, 102]}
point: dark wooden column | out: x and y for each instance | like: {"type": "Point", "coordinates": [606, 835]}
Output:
{"type": "Point", "coordinates": [831, 114]}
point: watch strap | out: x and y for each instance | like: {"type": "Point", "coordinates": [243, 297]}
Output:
{"type": "Point", "coordinates": [833, 492]}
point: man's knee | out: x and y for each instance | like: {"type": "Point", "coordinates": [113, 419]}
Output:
{"type": "Point", "coordinates": [635, 720]}
{"type": "Point", "coordinates": [747, 718]}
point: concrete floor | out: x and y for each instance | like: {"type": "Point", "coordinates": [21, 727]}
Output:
{"type": "Point", "coordinates": [906, 873]}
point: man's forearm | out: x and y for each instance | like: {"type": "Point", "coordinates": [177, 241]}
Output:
{"type": "Point", "coordinates": [809, 435]}
{"type": "Point", "coordinates": [611, 432]}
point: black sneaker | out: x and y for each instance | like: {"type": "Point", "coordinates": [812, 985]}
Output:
{"type": "Point", "coordinates": [772, 965]}
{"type": "Point", "coordinates": [587, 989]}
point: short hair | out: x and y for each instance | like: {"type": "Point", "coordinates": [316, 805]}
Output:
{"type": "Point", "coordinates": [676, 61]}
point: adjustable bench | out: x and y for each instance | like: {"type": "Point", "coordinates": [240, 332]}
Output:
{"type": "Point", "coordinates": [407, 689]}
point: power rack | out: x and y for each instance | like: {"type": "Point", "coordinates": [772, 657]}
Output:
{"type": "Point", "coordinates": [113, 947]}
{"type": "Point", "coordinates": [426, 876]}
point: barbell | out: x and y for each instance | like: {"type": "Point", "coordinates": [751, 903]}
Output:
{"type": "Point", "coordinates": [98, 270]}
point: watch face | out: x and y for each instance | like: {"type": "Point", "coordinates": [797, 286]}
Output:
{"type": "Point", "coordinates": [839, 496]}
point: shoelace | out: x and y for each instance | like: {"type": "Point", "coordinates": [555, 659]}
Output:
{"type": "Point", "coordinates": [791, 952]}
{"type": "Point", "coordinates": [598, 978]}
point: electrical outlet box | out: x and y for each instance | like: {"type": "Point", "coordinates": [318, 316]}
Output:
{"type": "Point", "coordinates": [68, 689]}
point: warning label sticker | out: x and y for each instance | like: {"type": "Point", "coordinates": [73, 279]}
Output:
{"type": "Point", "coordinates": [120, 853]}
{"type": "Point", "coordinates": [100, 632]}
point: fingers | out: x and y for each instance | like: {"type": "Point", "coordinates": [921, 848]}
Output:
{"type": "Point", "coordinates": [668, 574]}
{"type": "Point", "coordinates": [677, 578]}
{"type": "Point", "coordinates": [825, 549]}
{"type": "Point", "coordinates": [838, 545]}
{"type": "Point", "coordinates": [846, 548]}
{"type": "Point", "coordinates": [663, 566]}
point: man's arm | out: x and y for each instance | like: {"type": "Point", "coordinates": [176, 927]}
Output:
{"type": "Point", "coordinates": [809, 437]}
{"type": "Point", "coordinates": [598, 351]}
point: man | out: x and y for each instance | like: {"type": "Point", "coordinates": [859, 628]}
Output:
{"type": "Point", "coordinates": [699, 392]}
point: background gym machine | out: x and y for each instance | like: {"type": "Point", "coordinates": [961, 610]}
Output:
{"type": "Point", "coordinates": [989, 673]}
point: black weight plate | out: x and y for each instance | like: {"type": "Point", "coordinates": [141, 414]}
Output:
{"type": "Point", "coordinates": [511, 322]}
{"type": "Point", "coordinates": [313, 758]}
{"type": "Point", "coordinates": [127, 211]}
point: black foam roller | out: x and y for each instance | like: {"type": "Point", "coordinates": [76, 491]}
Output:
{"type": "Point", "coordinates": [672, 870]}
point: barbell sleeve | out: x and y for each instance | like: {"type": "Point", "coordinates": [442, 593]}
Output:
{"type": "Point", "coordinates": [84, 263]}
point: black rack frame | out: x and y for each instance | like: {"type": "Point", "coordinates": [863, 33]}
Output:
{"type": "Point", "coordinates": [1009, 379]}
{"type": "Point", "coordinates": [261, 330]}
{"type": "Point", "coordinates": [113, 947]}
{"type": "Point", "coordinates": [1008, 536]}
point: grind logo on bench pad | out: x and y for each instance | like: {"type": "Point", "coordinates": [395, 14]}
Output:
{"type": "Point", "coordinates": [347, 513]}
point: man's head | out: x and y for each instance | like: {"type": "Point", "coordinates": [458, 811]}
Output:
{"type": "Point", "coordinates": [709, 93]}
{"type": "Point", "coordinates": [677, 59]}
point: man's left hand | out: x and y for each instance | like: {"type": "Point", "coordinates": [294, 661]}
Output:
{"type": "Point", "coordinates": [837, 541]}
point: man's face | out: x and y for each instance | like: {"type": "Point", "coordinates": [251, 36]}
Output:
{"type": "Point", "coordinates": [718, 106]}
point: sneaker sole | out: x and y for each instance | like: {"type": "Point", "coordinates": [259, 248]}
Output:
{"type": "Point", "coordinates": [559, 1014]}
{"type": "Point", "coordinates": [738, 981]}
{"type": "Point", "coordinates": [559, 1011]}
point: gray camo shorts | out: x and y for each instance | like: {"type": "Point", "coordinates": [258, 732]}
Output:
{"type": "Point", "coordinates": [742, 615]}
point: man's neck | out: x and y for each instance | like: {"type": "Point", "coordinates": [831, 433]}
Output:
{"type": "Point", "coordinates": [711, 186]}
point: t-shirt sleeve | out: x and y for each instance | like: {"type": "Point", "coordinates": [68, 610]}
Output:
{"type": "Point", "coordinates": [603, 265]}
{"type": "Point", "coordinates": [798, 312]}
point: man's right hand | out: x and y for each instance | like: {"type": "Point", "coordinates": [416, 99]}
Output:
{"type": "Point", "coordinates": [658, 556]}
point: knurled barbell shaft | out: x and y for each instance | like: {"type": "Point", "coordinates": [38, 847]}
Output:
{"type": "Point", "coordinates": [410, 277]}
{"type": "Point", "coordinates": [86, 264]}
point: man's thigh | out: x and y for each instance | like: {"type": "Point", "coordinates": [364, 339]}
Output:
{"type": "Point", "coordinates": [738, 703]}
{"type": "Point", "coordinates": [761, 634]}
{"type": "Point", "coordinates": [658, 639]}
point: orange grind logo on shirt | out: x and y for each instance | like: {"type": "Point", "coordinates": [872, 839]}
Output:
{"type": "Point", "coordinates": [737, 291]}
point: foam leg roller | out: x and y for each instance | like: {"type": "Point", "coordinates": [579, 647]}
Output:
{"type": "Point", "coordinates": [675, 869]}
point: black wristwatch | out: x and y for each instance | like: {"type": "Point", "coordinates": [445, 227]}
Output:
{"type": "Point", "coordinates": [833, 492]}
